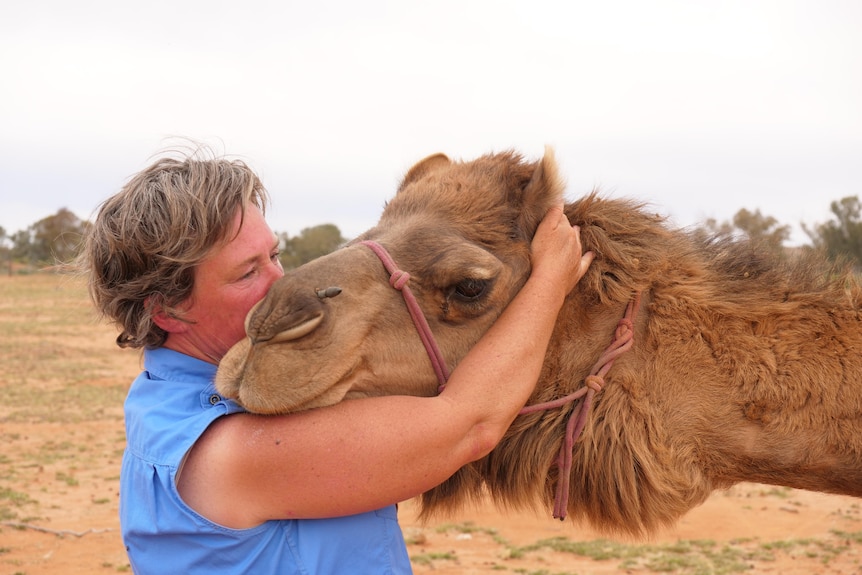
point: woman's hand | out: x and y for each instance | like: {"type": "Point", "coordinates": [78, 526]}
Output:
{"type": "Point", "coordinates": [557, 256]}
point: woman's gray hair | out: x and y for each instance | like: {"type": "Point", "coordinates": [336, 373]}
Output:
{"type": "Point", "coordinates": [141, 252]}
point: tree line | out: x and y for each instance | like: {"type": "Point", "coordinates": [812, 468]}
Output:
{"type": "Point", "coordinates": [56, 239]}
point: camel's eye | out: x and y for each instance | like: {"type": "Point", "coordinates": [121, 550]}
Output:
{"type": "Point", "coordinates": [470, 289]}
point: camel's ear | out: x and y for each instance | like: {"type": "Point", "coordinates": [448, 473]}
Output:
{"type": "Point", "coordinates": [424, 167]}
{"type": "Point", "coordinates": [544, 191]}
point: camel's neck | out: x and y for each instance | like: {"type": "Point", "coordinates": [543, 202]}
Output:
{"type": "Point", "coordinates": [820, 458]}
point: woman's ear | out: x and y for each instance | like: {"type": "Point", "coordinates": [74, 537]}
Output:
{"type": "Point", "coordinates": [167, 320]}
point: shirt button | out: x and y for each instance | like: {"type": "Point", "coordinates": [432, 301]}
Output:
{"type": "Point", "coordinates": [214, 398]}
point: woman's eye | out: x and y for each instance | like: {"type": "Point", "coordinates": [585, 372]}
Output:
{"type": "Point", "coordinates": [470, 289]}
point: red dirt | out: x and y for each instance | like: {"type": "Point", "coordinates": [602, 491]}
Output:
{"type": "Point", "coordinates": [59, 472]}
{"type": "Point", "coordinates": [85, 537]}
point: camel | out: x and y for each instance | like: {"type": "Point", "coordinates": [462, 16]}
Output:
{"type": "Point", "coordinates": [741, 366]}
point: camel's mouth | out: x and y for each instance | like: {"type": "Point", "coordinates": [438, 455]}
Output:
{"type": "Point", "coordinates": [228, 379]}
{"type": "Point", "coordinates": [260, 377]}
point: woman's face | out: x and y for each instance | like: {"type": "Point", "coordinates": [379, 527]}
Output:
{"type": "Point", "coordinates": [228, 283]}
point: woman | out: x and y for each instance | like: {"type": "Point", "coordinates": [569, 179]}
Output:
{"type": "Point", "coordinates": [176, 259]}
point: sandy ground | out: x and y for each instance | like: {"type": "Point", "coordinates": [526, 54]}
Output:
{"type": "Point", "coordinates": [768, 530]}
{"type": "Point", "coordinates": [61, 443]}
{"type": "Point", "coordinates": [750, 528]}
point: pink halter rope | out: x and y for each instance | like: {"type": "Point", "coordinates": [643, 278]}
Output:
{"type": "Point", "coordinates": [398, 279]}
{"type": "Point", "coordinates": [621, 342]}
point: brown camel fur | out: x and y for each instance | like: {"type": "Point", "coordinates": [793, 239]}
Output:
{"type": "Point", "coordinates": [745, 367]}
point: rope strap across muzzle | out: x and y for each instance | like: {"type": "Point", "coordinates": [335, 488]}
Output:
{"type": "Point", "coordinates": [398, 279]}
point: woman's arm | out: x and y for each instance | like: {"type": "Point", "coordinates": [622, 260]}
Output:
{"type": "Point", "coordinates": [363, 454]}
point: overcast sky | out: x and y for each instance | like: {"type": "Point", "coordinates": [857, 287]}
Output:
{"type": "Point", "coordinates": [699, 108]}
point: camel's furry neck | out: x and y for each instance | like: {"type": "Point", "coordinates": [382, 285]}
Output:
{"type": "Point", "coordinates": [746, 366]}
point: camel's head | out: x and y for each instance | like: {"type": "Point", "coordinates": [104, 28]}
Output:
{"type": "Point", "coordinates": [462, 231]}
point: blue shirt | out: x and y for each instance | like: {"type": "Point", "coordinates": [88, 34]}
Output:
{"type": "Point", "coordinates": [168, 407]}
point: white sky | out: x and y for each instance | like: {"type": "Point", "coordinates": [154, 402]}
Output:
{"type": "Point", "coordinates": [699, 108]}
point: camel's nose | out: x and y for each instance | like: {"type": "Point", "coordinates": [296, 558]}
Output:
{"type": "Point", "coordinates": [295, 331]}
{"type": "Point", "coordinates": [331, 291]}
{"type": "Point", "coordinates": [284, 314]}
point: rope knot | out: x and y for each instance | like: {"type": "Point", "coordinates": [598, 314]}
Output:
{"type": "Point", "coordinates": [399, 279]}
{"type": "Point", "coordinates": [595, 382]}
{"type": "Point", "coordinates": [624, 327]}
